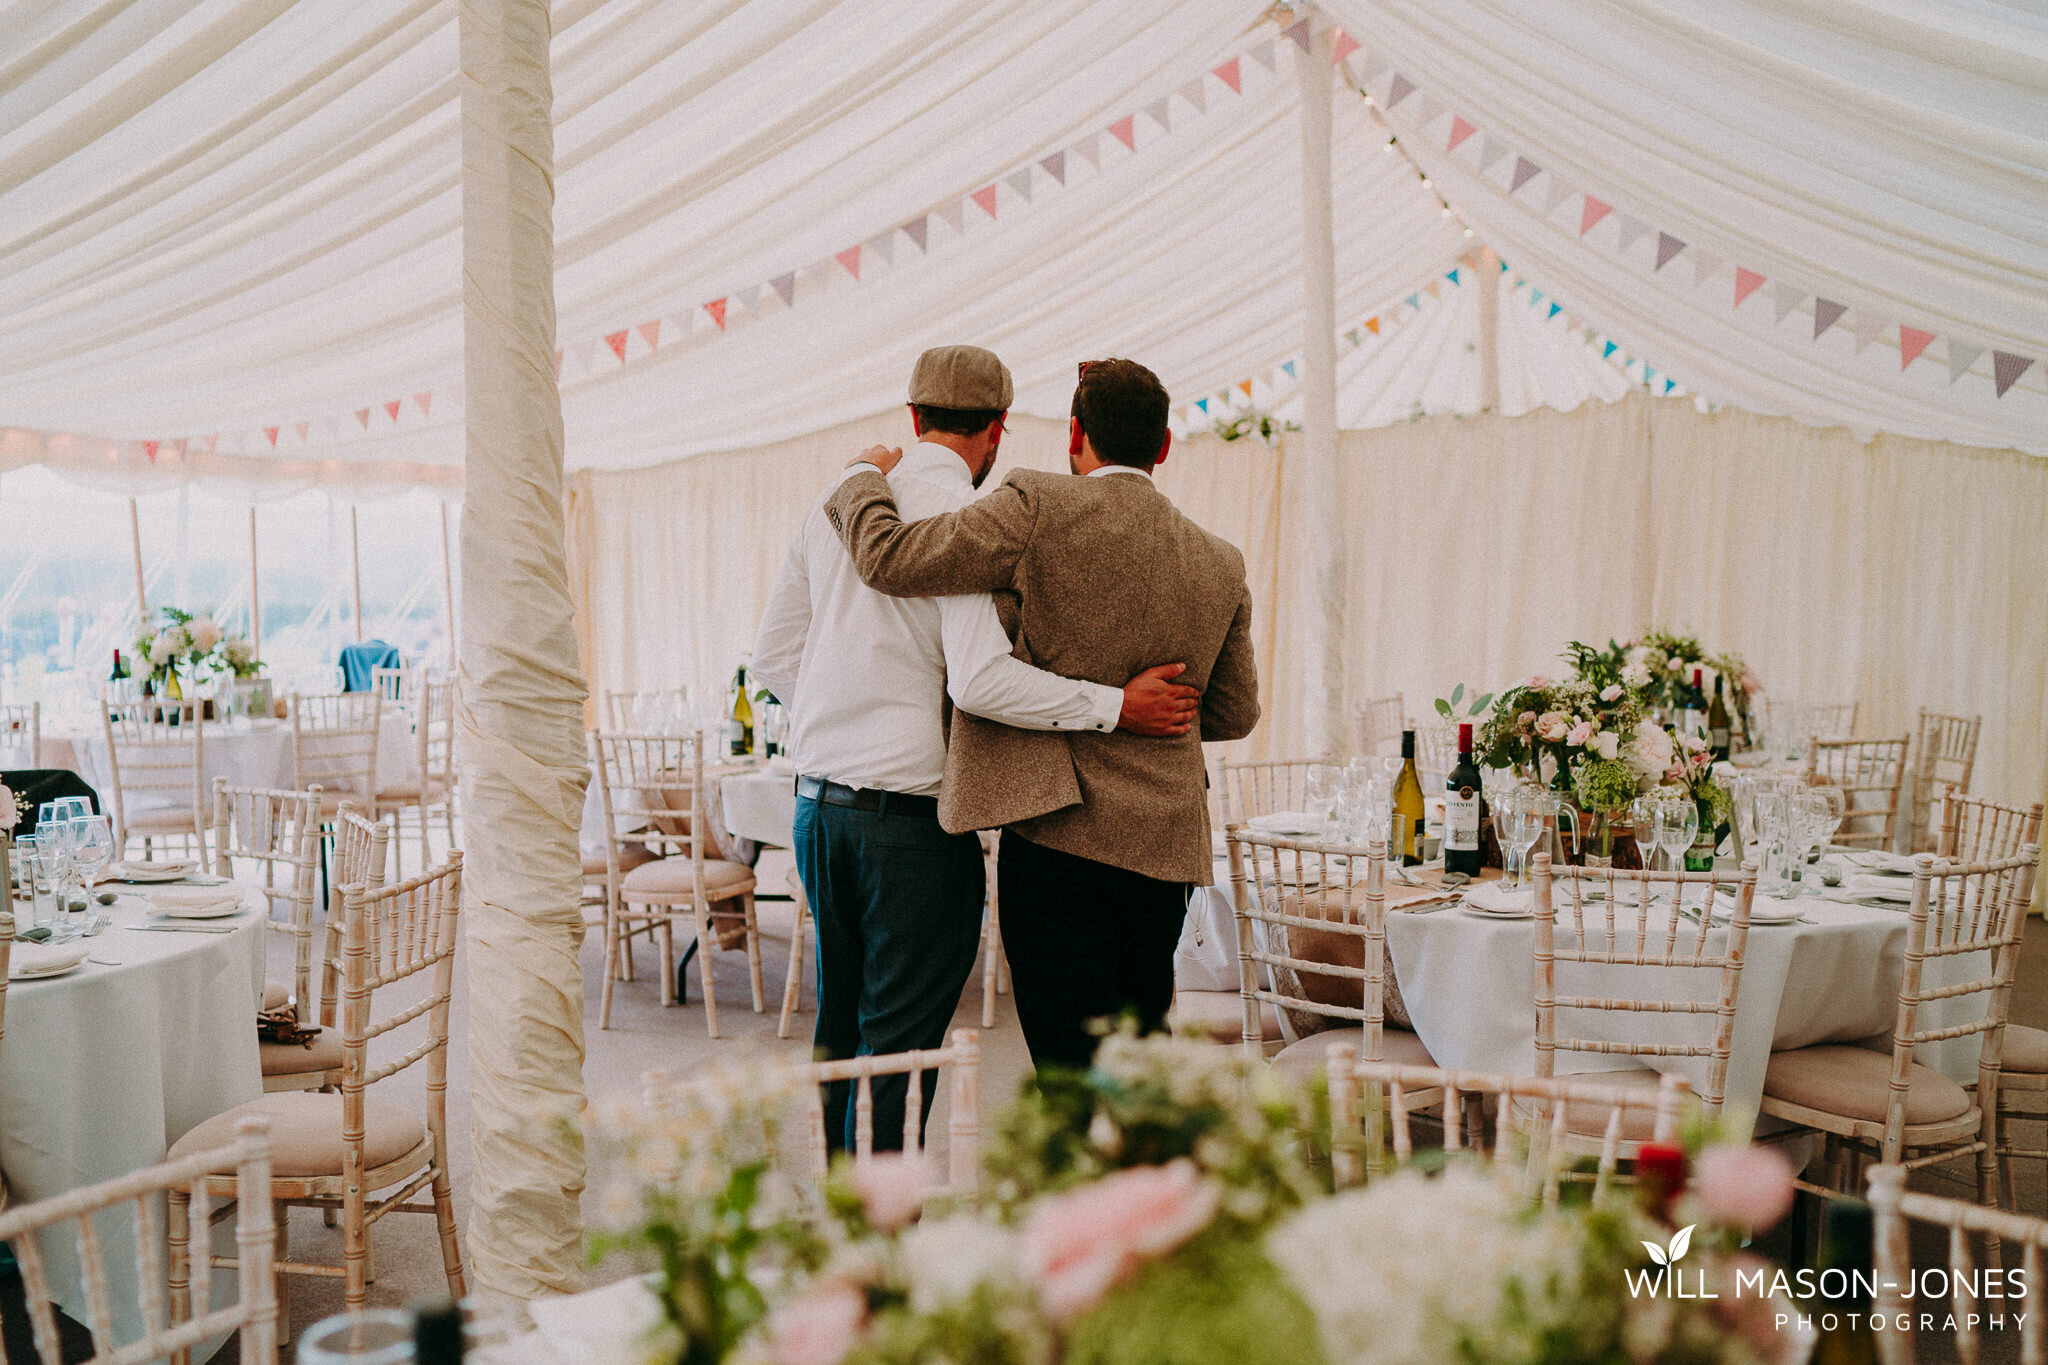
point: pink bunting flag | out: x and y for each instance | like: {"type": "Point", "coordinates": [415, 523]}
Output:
{"type": "Point", "coordinates": [2007, 368]}
{"type": "Point", "coordinates": [1460, 130]}
{"type": "Point", "coordinates": [1054, 166]}
{"type": "Point", "coordinates": [1559, 190]}
{"type": "Point", "coordinates": [1525, 171]}
{"type": "Point", "coordinates": [785, 284]}
{"type": "Point", "coordinates": [271, 433]}
{"type": "Point", "coordinates": [302, 428]}
{"type": "Point", "coordinates": [1125, 130]}
{"type": "Point", "coordinates": [1342, 46]}
{"type": "Point", "coordinates": [212, 443]}
{"type": "Point", "coordinates": [986, 197]}
{"type": "Point", "coordinates": [1298, 32]}
{"type": "Point", "coordinates": [1668, 249]}
{"type": "Point", "coordinates": [650, 332]}
{"type": "Point", "coordinates": [1020, 181]}
{"type": "Point", "coordinates": [916, 230]}
{"type": "Point", "coordinates": [390, 410]}
{"type": "Point", "coordinates": [1594, 211]}
{"type": "Point", "coordinates": [850, 258]}
{"type": "Point", "coordinates": [363, 414]}
{"type": "Point", "coordinates": [1230, 75]}
{"type": "Point", "coordinates": [1747, 282]}
{"type": "Point", "coordinates": [715, 309]}
{"type": "Point", "coordinates": [1194, 93]}
{"type": "Point", "coordinates": [1400, 90]}
{"type": "Point", "coordinates": [1826, 313]}
{"type": "Point", "coordinates": [617, 340]}
{"type": "Point", "coordinates": [1912, 341]}
{"type": "Point", "coordinates": [149, 449]}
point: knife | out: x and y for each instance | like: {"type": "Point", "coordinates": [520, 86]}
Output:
{"type": "Point", "coordinates": [183, 928]}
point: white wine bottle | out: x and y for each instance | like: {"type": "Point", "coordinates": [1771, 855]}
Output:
{"type": "Point", "coordinates": [1409, 811]}
{"type": "Point", "coordinates": [739, 728]}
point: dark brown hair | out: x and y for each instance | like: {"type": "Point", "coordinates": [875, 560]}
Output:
{"type": "Point", "coordinates": [954, 421]}
{"type": "Point", "coordinates": [1122, 407]}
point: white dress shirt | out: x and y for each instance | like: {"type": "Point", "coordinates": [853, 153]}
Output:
{"type": "Point", "coordinates": [864, 674]}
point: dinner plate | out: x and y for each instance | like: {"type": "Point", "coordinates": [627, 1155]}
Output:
{"type": "Point", "coordinates": [1763, 910]}
{"type": "Point", "coordinates": [1469, 908]}
{"type": "Point", "coordinates": [34, 962]}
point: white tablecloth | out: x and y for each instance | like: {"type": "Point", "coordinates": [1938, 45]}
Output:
{"type": "Point", "coordinates": [246, 753]}
{"type": "Point", "coordinates": [104, 1068]}
{"type": "Point", "coordinates": [1469, 985]}
{"type": "Point", "coordinates": [761, 805]}
{"type": "Point", "coordinates": [629, 809]}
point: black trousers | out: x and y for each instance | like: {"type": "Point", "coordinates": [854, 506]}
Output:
{"type": "Point", "coordinates": [1086, 941]}
{"type": "Point", "coordinates": [897, 902]}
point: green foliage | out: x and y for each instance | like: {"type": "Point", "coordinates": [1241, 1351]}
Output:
{"type": "Point", "coordinates": [1218, 1301]}
{"type": "Point", "coordinates": [988, 1327]}
{"type": "Point", "coordinates": [1251, 422]}
{"type": "Point", "coordinates": [1447, 707]}
{"type": "Point", "coordinates": [1604, 784]}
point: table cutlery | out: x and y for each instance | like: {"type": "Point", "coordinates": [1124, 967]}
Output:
{"type": "Point", "coordinates": [183, 928]}
{"type": "Point", "coordinates": [106, 961]}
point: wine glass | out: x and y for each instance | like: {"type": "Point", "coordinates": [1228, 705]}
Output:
{"type": "Point", "coordinates": [1320, 788]}
{"type": "Point", "coordinates": [1836, 802]}
{"type": "Point", "coordinates": [1647, 813]}
{"type": "Point", "coordinates": [1677, 828]}
{"type": "Point", "coordinates": [92, 850]}
{"type": "Point", "coordinates": [1814, 821]}
{"type": "Point", "coordinates": [1517, 821]}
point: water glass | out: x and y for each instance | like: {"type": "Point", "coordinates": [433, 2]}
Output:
{"type": "Point", "coordinates": [1517, 822]}
{"type": "Point", "coordinates": [1320, 788]}
{"type": "Point", "coordinates": [376, 1336]}
{"type": "Point", "coordinates": [92, 849]}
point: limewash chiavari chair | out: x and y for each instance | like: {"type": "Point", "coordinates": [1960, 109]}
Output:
{"type": "Point", "coordinates": [645, 711]}
{"type": "Point", "coordinates": [348, 1152]}
{"type": "Point", "coordinates": [1975, 829]}
{"type": "Point", "coordinates": [1629, 936]}
{"type": "Point", "coordinates": [1379, 725]}
{"type": "Point", "coordinates": [1533, 1109]}
{"type": "Point", "coordinates": [1884, 1105]}
{"type": "Point", "coordinates": [661, 767]}
{"type": "Point", "coordinates": [399, 686]}
{"type": "Point", "coordinates": [793, 979]}
{"type": "Point", "coordinates": [959, 1060]}
{"type": "Point", "coordinates": [170, 1329]}
{"type": "Point", "coordinates": [279, 831]}
{"type": "Point", "coordinates": [334, 745]}
{"type": "Point", "coordinates": [1894, 1210]}
{"type": "Point", "coordinates": [1944, 760]}
{"type": "Point", "coordinates": [995, 968]}
{"type": "Point", "coordinates": [1435, 752]}
{"type": "Point", "coordinates": [1318, 907]}
{"type": "Point", "coordinates": [1263, 787]}
{"type": "Point", "coordinates": [1832, 720]}
{"type": "Point", "coordinates": [431, 706]}
{"type": "Point", "coordinates": [1871, 773]}
{"type": "Point", "coordinates": [21, 734]}
{"type": "Point", "coordinates": [158, 771]}
{"type": "Point", "coordinates": [360, 858]}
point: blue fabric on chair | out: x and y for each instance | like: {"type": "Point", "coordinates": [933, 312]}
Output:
{"type": "Point", "coordinates": [359, 660]}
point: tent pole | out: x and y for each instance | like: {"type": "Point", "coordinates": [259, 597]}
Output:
{"type": "Point", "coordinates": [135, 542]}
{"type": "Point", "coordinates": [1489, 330]}
{"type": "Point", "coordinates": [255, 603]}
{"type": "Point", "coordinates": [447, 588]}
{"type": "Point", "coordinates": [519, 693]}
{"type": "Point", "coordinates": [1311, 477]}
{"type": "Point", "coordinates": [355, 569]}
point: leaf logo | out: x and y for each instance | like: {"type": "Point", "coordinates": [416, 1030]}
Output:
{"type": "Point", "coordinates": [1681, 1241]}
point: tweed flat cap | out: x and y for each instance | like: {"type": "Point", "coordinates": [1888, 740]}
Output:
{"type": "Point", "coordinates": [962, 377]}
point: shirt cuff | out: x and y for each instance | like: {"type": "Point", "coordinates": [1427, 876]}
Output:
{"type": "Point", "coordinates": [1107, 704]}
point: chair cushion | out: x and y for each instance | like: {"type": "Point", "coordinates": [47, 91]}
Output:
{"type": "Point", "coordinates": [305, 1133]}
{"type": "Point", "coordinates": [630, 857]}
{"type": "Point", "coordinates": [1218, 1016]}
{"type": "Point", "coordinates": [670, 877]}
{"type": "Point", "coordinates": [1856, 1083]}
{"type": "Point", "coordinates": [1303, 1061]}
{"type": "Point", "coordinates": [2026, 1050]}
{"type": "Point", "coordinates": [1583, 1118]}
{"type": "Point", "coordinates": [276, 994]}
{"type": "Point", "coordinates": [290, 1059]}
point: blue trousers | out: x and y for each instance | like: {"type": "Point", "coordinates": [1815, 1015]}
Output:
{"type": "Point", "coordinates": [897, 902]}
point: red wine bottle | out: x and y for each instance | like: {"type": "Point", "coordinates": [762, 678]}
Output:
{"type": "Point", "coordinates": [1461, 810]}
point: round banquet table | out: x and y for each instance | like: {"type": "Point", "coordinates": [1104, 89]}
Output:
{"type": "Point", "coordinates": [629, 810]}
{"type": "Point", "coordinates": [760, 804]}
{"type": "Point", "coordinates": [1468, 982]}
{"type": "Point", "coordinates": [248, 753]}
{"type": "Point", "coordinates": [103, 1068]}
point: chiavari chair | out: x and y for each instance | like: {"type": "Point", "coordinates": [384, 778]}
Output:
{"type": "Point", "coordinates": [1944, 759]}
{"type": "Point", "coordinates": [156, 757]}
{"type": "Point", "coordinates": [279, 832]}
{"type": "Point", "coordinates": [21, 734]}
{"type": "Point", "coordinates": [334, 745]}
{"type": "Point", "coordinates": [1263, 787]}
{"type": "Point", "coordinates": [1378, 723]}
{"type": "Point", "coordinates": [1894, 1209]}
{"type": "Point", "coordinates": [959, 1060]}
{"type": "Point", "coordinates": [432, 708]}
{"type": "Point", "coordinates": [1870, 773]}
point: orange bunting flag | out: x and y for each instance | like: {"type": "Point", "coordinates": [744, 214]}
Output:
{"type": "Point", "coordinates": [302, 428]}
{"type": "Point", "coordinates": [423, 401]}
{"type": "Point", "coordinates": [1228, 73]}
{"type": "Point", "coordinates": [391, 409]}
{"type": "Point", "coordinates": [650, 332]}
{"type": "Point", "coordinates": [271, 432]}
{"type": "Point", "coordinates": [363, 414]}
{"type": "Point", "coordinates": [1912, 341]}
{"type": "Point", "coordinates": [1246, 385]}
{"type": "Point", "coordinates": [617, 341]}
{"type": "Point", "coordinates": [1373, 325]}
{"type": "Point", "coordinates": [850, 258]}
{"type": "Point", "coordinates": [986, 197]}
{"type": "Point", "coordinates": [149, 449]}
{"type": "Point", "coordinates": [716, 308]}
{"type": "Point", "coordinates": [1125, 130]}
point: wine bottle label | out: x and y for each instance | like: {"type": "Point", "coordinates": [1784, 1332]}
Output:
{"type": "Point", "coordinates": [1461, 820]}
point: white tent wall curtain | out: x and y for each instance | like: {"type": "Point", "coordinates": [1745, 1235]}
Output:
{"type": "Point", "coordinates": [1902, 573]}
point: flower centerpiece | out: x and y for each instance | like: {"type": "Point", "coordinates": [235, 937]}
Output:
{"type": "Point", "coordinates": [1160, 1207]}
{"type": "Point", "coordinates": [182, 643]}
{"type": "Point", "coordinates": [1667, 660]}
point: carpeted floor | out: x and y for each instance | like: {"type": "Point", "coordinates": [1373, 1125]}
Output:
{"type": "Point", "coordinates": [643, 1035]}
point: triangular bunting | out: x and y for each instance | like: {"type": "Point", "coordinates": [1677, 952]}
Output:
{"type": "Point", "coordinates": [1125, 130]}
{"type": "Point", "coordinates": [1869, 327]}
{"type": "Point", "coordinates": [1203, 404]}
{"type": "Point", "coordinates": [785, 283]}
{"type": "Point", "coordinates": [986, 197]}
{"type": "Point", "coordinates": [1460, 130]}
{"type": "Point", "coordinates": [1491, 150]}
{"type": "Point", "coordinates": [271, 433]}
{"type": "Point", "coordinates": [885, 245]}
{"type": "Point", "coordinates": [1627, 228]}
{"type": "Point", "coordinates": [917, 228]}
{"type": "Point", "coordinates": [1592, 213]}
{"type": "Point", "coordinates": [1912, 341]}
{"type": "Point", "coordinates": [390, 410]}
{"type": "Point", "coordinates": [1826, 313]}
{"type": "Point", "coordinates": [750, 298]}
{"type": "Point", "coordinates": [1372, 324]}
{"type": "Point", "coordinates": [304, 429]}
{"type": "Point", "coordinates": [1434, 289]}
{"type": "Point", "coordinates": [954, 211]}
{"type": "Point", "coordinates": [1535, 297]}
{"type": "Point", "coordinates": [149, 449]}
{"type": "Point", "coordinates": [1961, 356]}
{"type": "Point", "coordinates": [1159, 110]}
{"type": "Point", "coordinates": [1668, 248]}
{"type": "Point", "coordinates": [1415, 302]}
{"type": "Point", "coordinates": [213, 443]}
{"type": "Point", "coordinates": [1705, 265]}
{"type": "Point", "coordinates": [424, 401]}
{"type": "Point", "coordinates": [1374, 64]}
{"type": "Point", "coordinates": [1525, 171]}
{"type": "Point", "coordinates": [617, 340]}
{"type": "Point", "coordinates": [1452, 276]}
{"type": "Point", "coordinates": [1342, 45]}
{"type": "Point", "coordinates": [1298, 32]}
{"type": "Point", "coordinates": [2007, 368]}
{"type": "Point", "coordinates": [716, 308]}
{"type": "Point", "coordinates": [1607, 350]}
{"type": "Point", "coordinates": [850, 258]}
{"type": "Point", "coordinates": [1288, 366]}
{"type": "Point", "coordinates": [1670, 384]}
{"type": "Point", "coordinates": [1786, 298]}
{"type": "Point", "coordinates": [1193, 92]}
{"type": "Point", "coordinates": [1262, 53]}
{"type": "Point", "coordinates": [1020, 181]}
{"type": "Point", "coordinates": [363, 414]}
{"type": "Point", "coordinates": [1089, 149]}
{"type": "Point", "coordinates": [650, 332]}
{"type": "Point", "coordinates": [1431, 107]}
{"type": "Point", "coordinates": [1648, 375]}
{"type": "Point", "coordinates": [1229, 74]}
{"type": "Point", "coordinates": [1555, 309]}
{"type": "Point", "coordinates": [1054, 166]}
{"type": "Point", "coordinates": [1556, 193]}
{"type": "Point", "coordinates": [1400, 90]}
{"type": "Point", "coordinates": [1747, 282]}
{"type": "Point", "coordinates": [1246, 385]}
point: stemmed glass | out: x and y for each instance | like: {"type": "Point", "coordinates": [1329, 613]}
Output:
{"type": "Point", "coordinates": [92, 850]}
{"type": "Point", "coordinates": [49, 866]}
{"type": "Point", "coordinates": [1648, 814]}
{"type": "Point", "coordinates": [1678, 826]}
{"type": "Point", "coordinates": [1814, 820]}
{"type": "Point", "coordinates": [1517, 821]}
{"type": "Point", "coordinates": [1320, 789]}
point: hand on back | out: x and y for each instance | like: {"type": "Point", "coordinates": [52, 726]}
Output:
{"type": "Point", "coordinates": [1157, 707]}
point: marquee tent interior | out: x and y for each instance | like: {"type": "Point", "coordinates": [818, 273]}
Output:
{"type": "Point", "coordinates": [1721, 316]}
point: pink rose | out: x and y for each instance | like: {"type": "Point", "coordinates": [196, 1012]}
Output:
{"type": "Point", "coordinates": [1746, 1187]}
{"type": "Point", "coordinates": [1534, 680]}
{"type": "Point", "coordinates": [892, 1187]}
{"type": "Point", "coordinates": [818, 1327]}
{"type": "Point", "coordinates": [1581, 732]}
{"type": "Point", "coordinates": [1552, 726]}
{"type": "Point", "coordinates": [1611, 692]}
{"type": "Point", "coordinates": [1526, 722]}
{"type": "Point", "coordinates": [1077, 1246]}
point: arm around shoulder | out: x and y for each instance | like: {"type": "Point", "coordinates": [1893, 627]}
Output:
{"type": "Point", "coordinates": [975, 549]}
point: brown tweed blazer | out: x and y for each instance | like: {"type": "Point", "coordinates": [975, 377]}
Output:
{"type": "Point", "coordinates": [1096, 578]}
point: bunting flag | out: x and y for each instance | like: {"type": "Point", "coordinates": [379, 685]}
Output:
{"type": "Point", "coordinates": [1594, 211]}
{"type": "Point", "coordinates": [149, 449]}
{"type": "Point", "coordinates": [1193, 93]}
{"type": "Point", "coordinates": [1747, 282]}
{"type": "Point", "coordinates": [1961, 356]}
{"type": "Point", "coordinates": [2007, 368]}
{"type": "Point", "coordinates": [1159, 111]}
{"type": "Point", "coordinates": [1912, 341]}
{"type": "Point", "coordinates": [1705, 265]}
{"type": "Point", "coordinates": [954, 211]}
{"type": "Point", "coordinates": [363, 414]}
{"type": "Point", "coordinates": [1298, 31]}
{"type": "Point", "coordinates": [1262, 53]}
{"type": "Point", "coordinates": [1020, 181]}
{"type": "Point", "coordinates": [302, 428]}
{"type": "Point", "coordinates": [1460, 130]}
{"type": "Point", "coordinates": [650, 332]}
{"type": "Point", "coordinates": [1089, 149]}
{"type": "Point", "coordinates": [1628, 227]}
{"type": "Point", "coordinates": [1668, 249]}
{"type": "Point", "coordinates": [1559, 191]}
{"type": "Point", "coordinates": [1342, 46]}
{"type": "Point", "coordinates": [617, 341]}
{"type": "Point", "coordinates": [1869, 327]}
{"type": "Point", "coordinates": [785, 283]}
{"type": "Point", "coordinates": [1525, 171]}
{"type": "Point", "coordinates": [850, 258]}
{"type": "Point", "coordinates": [390, 410]}
{"type": "Point", "coordinates": [1786, 298]}
{"type": "Point", "coordinates": [1826, 313]}
{"type": "Point", "coordinates": [1125, 130]}
{"type": "Point", "coordinates": [1054, 166]}
{"type": "Point", "coordinates": [1228, 74]}
{"type": "Point", "coordinates": [1431, 107]}
{"type": "Point", "coordinates": [271, 434]}
{"type": "Point", "coordinates": [1401, 90]}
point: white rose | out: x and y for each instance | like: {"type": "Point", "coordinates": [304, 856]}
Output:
{"type": "Point", "coordinates": [1607, 744]}
{"type": "Point", "coordinates": [166, 646]}
{"type": "Point", "coordinates": [1649, 750]}
{"type": "Point", "coordinates": [1611, 692]}
{"type": "Point", "coordinates": [1636, 674]}
{"type": "Point", "coordinates": [1553, 726]}
{"type": "Point", "coordinates": [9, 812]}
{"type": "Point", "coordinates": [204, 633]}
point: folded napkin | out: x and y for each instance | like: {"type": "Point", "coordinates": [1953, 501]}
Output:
{"type": "Point", "coordinates": [195, 902]}
{"type": "Point", "coordinates": [1877, 860]}
{"type": "Point", "coordinates": [1762, 909]}
{"type": "Point", "coordinates": [1895, 890]}
{"type": "Point", "coordinates": [140, 869]}
{"type": "Point", "coordinates": [40, 959]}
{"type": "Point", "coordinates": [1495, 899]}
{"type": "Point", "coordinates": [1286, 822]}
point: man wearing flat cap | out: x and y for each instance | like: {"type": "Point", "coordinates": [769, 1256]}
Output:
{"type": "Point", "coordinates": [871, 682]}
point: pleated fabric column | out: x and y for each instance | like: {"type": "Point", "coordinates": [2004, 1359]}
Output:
{"type": "Point", "coordinates": [520, 720]}
{"type": "Point", "coordinates": [1311, 471]}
